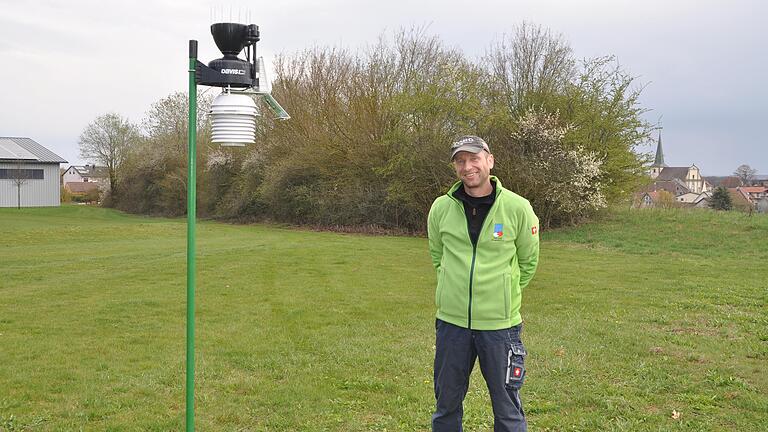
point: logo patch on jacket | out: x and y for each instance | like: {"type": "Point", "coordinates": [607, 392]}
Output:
{"type": "Point", "coordinates": [534, 230]}
{"type": "Point", "coordinates": [498, 231]}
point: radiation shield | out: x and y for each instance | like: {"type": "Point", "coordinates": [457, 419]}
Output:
{"type": "Point", "coordinates": [233, 119]}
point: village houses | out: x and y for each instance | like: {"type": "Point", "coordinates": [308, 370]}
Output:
{"type": "Point", "coordinates": [688, 187]}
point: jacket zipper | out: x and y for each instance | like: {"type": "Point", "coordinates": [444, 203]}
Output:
{"type": "Point", "coordinates": [471, 276]}
{"type": "Point", "coordinates": [474, 254]}
{"type": "Point", "coordinates": [471, 269]}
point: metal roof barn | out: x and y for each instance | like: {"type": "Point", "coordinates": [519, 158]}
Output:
{"type": "Point", "coordinates": [29, 174]}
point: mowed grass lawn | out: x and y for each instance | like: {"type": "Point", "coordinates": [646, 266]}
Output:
{"type": "Point", "coordinates": [644, 321]}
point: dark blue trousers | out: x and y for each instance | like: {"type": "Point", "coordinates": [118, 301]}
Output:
{"type": "Point", "coordinates": [502, 361]}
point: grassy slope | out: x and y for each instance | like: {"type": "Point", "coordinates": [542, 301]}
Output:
{"type": "Point", "coordinates": [627, 319]}
{"type": "Point", "coordinates": [667, 310]}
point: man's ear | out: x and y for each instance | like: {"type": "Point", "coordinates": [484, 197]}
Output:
{"type": "Point", "coordinates": [491, 161]}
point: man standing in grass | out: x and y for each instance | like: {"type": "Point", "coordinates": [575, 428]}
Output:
{"type": "Point", "coordinates": [484, 243]}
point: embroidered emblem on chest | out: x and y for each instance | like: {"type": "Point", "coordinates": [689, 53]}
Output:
{"type": "Point", "coordinates": [498, 231]}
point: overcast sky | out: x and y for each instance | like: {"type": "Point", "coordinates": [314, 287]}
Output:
{"type": "Point", "coordinates": [702, 62]}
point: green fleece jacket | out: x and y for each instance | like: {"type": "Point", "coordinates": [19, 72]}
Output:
{"type": "Point", "coordinates": [480, 287]}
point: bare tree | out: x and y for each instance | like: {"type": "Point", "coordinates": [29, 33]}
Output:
{"type": "Point", "coordinates": [745, 173]}
{"type": "Point", "coordinates": [106, 140]}
{"type": "Point", "coordinates": [19, 176]}
{"type": "Point", "coordinates": [529, 63]}
{"type": "Point", "coordinates": [167, 120]}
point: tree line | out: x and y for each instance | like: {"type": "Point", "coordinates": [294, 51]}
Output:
{"type": "Point", "coordinates": [367, 144]}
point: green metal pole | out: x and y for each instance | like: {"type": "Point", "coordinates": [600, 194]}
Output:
{"type": "Point", "coordinates": [191, 216]}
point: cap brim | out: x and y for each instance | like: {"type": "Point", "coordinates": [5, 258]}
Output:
{"type": "Point", "coordinates": [467, 148]}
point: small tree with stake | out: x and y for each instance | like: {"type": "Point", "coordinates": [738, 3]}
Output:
{"type": "Point", "coordinates": [19, 177]}
{"type": "Point", "coordinates": [721, 199]}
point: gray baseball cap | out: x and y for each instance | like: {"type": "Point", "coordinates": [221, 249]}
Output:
{"type": "Point", "coordinates": [469, 143]}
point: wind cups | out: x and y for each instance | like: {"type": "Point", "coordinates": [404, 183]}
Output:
{"type": "Point", "coordinates": [234, 119]}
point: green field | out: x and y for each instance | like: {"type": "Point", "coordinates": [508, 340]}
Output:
{"type": "Point", "coordinates": [628, 319]}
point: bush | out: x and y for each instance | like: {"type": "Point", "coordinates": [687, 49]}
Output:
{"type": "Point", "coordinates": [66, 196]}
{"type": "Point", "coordinates": [367, 144]}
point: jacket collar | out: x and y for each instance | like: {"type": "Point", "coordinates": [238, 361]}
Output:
{"type": "Point", "coordinates": [458, 184]}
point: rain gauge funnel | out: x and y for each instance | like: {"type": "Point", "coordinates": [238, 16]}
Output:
{"type": "Point", "coordinates": [231, 38]}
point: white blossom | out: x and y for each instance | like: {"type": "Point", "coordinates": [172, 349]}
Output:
{"type": "Point", "coordinates": [568, 179]}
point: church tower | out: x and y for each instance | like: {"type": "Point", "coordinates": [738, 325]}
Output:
{"type": "Point", "coordinates": [658, 163]}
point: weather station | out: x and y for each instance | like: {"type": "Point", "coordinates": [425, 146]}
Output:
{"type": "Point", "coordinates": [233, 117]}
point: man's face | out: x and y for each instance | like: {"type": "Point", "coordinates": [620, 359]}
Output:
{"type": "Point", "coordinates": [473, 169]}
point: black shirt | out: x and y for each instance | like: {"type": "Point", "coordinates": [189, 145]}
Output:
{"type": "Point", "coordinates": [476, 209]}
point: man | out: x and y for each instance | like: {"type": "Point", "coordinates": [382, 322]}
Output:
{"type": "Point", "coordinates": [484, 243]}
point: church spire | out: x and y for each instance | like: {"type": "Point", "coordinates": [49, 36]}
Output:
{"type": "Point", "coordinates": [659, 155]}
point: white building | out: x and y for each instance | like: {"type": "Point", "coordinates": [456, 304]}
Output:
{"type": "Point", "coordinates": [86, 174]}
{"type": "Point", "coordinates": [29, 174]}
{"type": "Point", "coordinates": [688, 198]}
